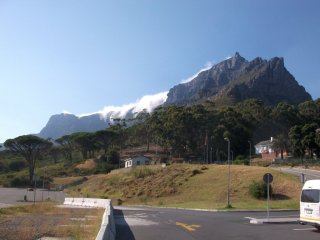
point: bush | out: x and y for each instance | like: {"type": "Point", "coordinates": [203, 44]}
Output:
{"type": "Point", "coordinates": [113, 157]}
{"type": "Point", "coordinates": [259, 190]}
{"type": "Point", "coordinates": [142, 172]}
{"type": "Point", "coordinates": [19, 182]}
{"type": "Point", "coordinates": [3, 167]}
{"type": "Point", "coordinates": [241, 162]}
{"type": "Point", "coordinates": [103, 168]}
{"type": "Point", "coordinates": [17, 165]}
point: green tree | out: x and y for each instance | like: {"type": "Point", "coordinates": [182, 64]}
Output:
{"type": "Point", "coordinates": [30, 147]}
{"type": "Point", "coordinates": [295, 136]}
{"type": "Point", "coordinates": [309, 138]}
{"type": "Point", "coordinates": [55, 152]}
{"type": "Point", "coordinates": [310, 112]}
{"type": "Point", "coordinates": [113, 157]}
{"type": "Point", "coordinates": [86, 142]}
{"type": "Point", "coordinates": [284, 117]}
{"type": "Point", "coordinates": [67, 146]}
{"type": "Point", "coordinates": [281, 144]}
{"type": "Point", "coordinates": [104, 139]}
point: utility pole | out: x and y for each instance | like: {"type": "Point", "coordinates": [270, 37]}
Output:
{"type": "Point", "coordinates": [228, 193]}
{"type": "Point", "coordinates": [250, 152]}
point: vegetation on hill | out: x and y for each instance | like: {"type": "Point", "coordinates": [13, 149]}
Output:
{"type": "Point", "coordinates": [193, 134]}
{"type": "Point", "coordinates": [192, 186]}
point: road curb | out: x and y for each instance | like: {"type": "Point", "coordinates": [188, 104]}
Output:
{"type": "Point", "coordinates": [275, 221]}
{"type": "Point", "coordinates": [136, 207]}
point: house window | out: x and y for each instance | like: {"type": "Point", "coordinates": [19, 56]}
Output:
{"type": "Point", "coordinates": [138, 163]}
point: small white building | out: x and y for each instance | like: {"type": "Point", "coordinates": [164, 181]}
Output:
{"type": "Point", "coordinates": [265, 146]}
{"type": "Point", "coordinates": [136, 161]}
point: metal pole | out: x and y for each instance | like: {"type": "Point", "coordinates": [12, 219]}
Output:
{"type": "Point", "coordinates": [35, 189]}
{"type": "Point", "coordinates": [268, 199]}
{"type": "Point", "coordinates": [228, 193]}
{"type": "Point", "coordinates": [43, 186]}
{"type": "Point", "coordinates": [207, 153]}
{"type": "Point", "coordinates": [250, 152]}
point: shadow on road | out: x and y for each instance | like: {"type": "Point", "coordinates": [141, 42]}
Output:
{"type": "Point", "coordinates": [122, 228]}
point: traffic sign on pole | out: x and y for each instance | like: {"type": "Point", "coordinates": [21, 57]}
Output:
{"type": "Point", "coordinates": [268, 178]}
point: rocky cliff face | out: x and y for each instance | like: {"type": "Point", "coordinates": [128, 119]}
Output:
{"type": "Point", "coordinates": [230, 81]}
{"type": "Point", "coordinates": [65, 124]}
{"type": "Point", "coordinates": [236, 79]}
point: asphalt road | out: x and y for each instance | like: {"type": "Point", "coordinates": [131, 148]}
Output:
{"type": "Point", "coordinates": [309, 174]}
{"type": "Point", "coordinates": [13, 196]}
{"type": "Point", "coordinates": [174, 224]}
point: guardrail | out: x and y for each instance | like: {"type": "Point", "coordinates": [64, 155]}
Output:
{"type": "Point", "coordinates": [108, 229]}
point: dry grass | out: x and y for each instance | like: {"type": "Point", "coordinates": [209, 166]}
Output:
{"type": "Point", "coordinates": [66, 180]}
{"type": "Point", "coordinates": [88, 164]}
{"type": "Point", "coordinates": [193, 186]}
{"type": "Point", "coordinates": [35, 221]}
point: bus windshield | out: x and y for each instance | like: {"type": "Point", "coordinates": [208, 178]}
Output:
{"type": "Point", "coordinates": [310, 195]}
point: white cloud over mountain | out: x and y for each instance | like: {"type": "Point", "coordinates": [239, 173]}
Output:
{"type": "Point", "coordinates": [207, 66]}
{"type": "Point", "coordinates": [148, 102]}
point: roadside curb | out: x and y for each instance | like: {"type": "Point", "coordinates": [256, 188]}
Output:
{"type": "Point", "coordinates": [136, 207]}
{"type": "Point", "coordinates": [274, 221]}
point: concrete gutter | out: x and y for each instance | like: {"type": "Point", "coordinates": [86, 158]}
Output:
{"type": "Point", "coordinates": [274, 220]}
{"type": "Point", "coordinates": [145, 207]}
{"type": "Point", "coordinates": [108, 229]}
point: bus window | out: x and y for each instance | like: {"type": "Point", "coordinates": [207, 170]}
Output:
{"type": "Point", "coordinates": [310, 195]}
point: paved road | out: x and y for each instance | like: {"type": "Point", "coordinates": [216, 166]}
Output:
{"type": "Point", "coordinates": [13, 196]}
{"type": "Point", "coordinates": [309, 174]}
{"type": "Point", "coordinates": [173, 224]}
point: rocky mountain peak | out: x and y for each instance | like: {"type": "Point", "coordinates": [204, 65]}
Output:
{"type": "Point", "coordinates": [237, 60]}
{"type": "Point", "coordinates": [237, 79]}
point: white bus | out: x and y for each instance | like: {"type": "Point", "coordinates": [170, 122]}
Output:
{"type": "Point", "coordinates": [310, 203]}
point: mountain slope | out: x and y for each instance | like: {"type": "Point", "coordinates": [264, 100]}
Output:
{"type": "Point", "coordinates": [237, 79]}
{"type": "Point", "coordinates": [65, 124]}
{"type": "Point", "coordinates": [227, 82]}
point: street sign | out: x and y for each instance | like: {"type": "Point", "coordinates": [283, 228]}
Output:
{"type": "Point", "coordinates": [35, 178]}
{"type": "Point", "coordinates": [268, 178]}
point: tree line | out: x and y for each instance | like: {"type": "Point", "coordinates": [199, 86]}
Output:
{"type": "Point", "coordinates": [190, 132]}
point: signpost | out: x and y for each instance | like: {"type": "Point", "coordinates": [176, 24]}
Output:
{"type": "Point", "coordinates": [35, 178]}
{"type": "Point", "coordinates": [268, 178]}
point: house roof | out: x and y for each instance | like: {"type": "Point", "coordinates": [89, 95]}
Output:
{"type": "Point", "coordinates": [137, 158]}
{"type": "Point", "coordinates": [265, 143]}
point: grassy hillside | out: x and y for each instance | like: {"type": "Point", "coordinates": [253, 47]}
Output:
{"type": "Point", "coordinates": [192, 186]}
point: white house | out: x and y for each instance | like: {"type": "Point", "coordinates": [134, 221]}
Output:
{"type": "Point", "coordinates": [265, 147]}
{"type": "Point", "coordinates": [136, 161]}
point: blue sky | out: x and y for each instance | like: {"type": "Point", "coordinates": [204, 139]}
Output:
{"type": "Point", "coordinates": [82, 55]}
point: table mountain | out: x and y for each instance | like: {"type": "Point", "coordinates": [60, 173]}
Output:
{"type": "Point", "coordinates": [65, 124]}
{"type": "Point", "coordinates": [227, 82]}
{"type": "Point", "coordinates": [237, 79]}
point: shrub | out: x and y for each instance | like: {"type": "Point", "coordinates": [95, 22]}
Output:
{"type": "Point", "coordinates": [142, 172]}
{"type": "Point", "coordinates": [195, 172]}
{"type": "Point", "coordinates": [113, 156]}
{"type": "Point", "coordinates": [103, 168]}
{"type": "Point", "coordinates": [17, 165]}
{"type": "Point", "coordinates": [259, 190]}
{"type": "Point", "coordinates": [3, 167]}
{"type": "Point", "coordinates": [241, 162]}
{"type": "Point", "coordinates": [19, 182]}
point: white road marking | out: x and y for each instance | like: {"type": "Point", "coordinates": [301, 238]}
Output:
{"type": "Point", "coordinates": [250, 218]}
{"type": "Point", "coordinates": [304, 229]}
